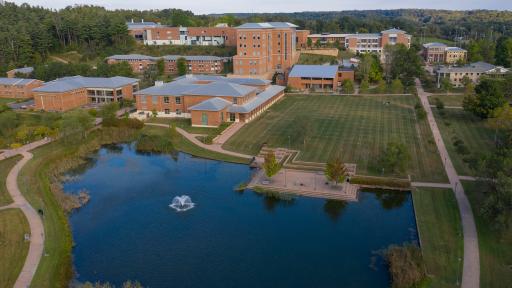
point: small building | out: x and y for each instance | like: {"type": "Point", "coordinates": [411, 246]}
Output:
{"type": "Point", "coordinates": [302, 38]}
{"type": "Point", "coordinates": [209, 100]}
{"type": "Point", "coordinates": [71, 92]}
{"type": "Point", "coordinates": [441, 53]}
{"type": "Point", "coordinates": [26, 71]}
{"type": "Point", "coordinates": [18, 88]}
{"type": "Point", "coordinates": [473, 71]}
{"type": "Point", "coordinates": [195, 64]}
{"type": "Point", "coordinates": [319, 77]}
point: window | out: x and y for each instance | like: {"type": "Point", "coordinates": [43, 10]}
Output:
{"type": "Point", "coordinates": [235, 100]}
{"type": "Point", "coordinates": [166, 100]}
{"type": "Point", "coordinates": [178, 111]}
{"type": "Point", "coordinates": [155, 99]}
{"type": "Point", "coordinates": [143, 99]}
{"type": "Point", "coordinates": [166, 111]}
{"type": "Point", "coordinates": [178, 100]}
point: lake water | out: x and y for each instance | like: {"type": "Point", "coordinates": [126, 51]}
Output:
{"type": "Point", "coordinates": [229, 239]}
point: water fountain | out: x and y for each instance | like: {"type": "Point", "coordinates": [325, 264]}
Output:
{"type": "Point", "coordinates": [182, 203]}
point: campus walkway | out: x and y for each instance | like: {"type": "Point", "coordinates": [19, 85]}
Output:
{"type": "Point", "coordinates": [471, 265]}
{"type": "Point", "coordinates": [36, 248]}
{"type": "Point", "coordinates": [212, 147]}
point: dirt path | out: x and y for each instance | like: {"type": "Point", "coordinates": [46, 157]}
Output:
{"type": "Point", "coordinates": [471, 265]}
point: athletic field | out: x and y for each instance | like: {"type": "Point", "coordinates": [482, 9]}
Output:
{"type": "Point", "coordinates": [358, 127]}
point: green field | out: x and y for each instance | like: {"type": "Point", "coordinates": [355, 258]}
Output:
{"type": "Point", "coordinates": [7, 100]}
{"type": "Point", "coordinates": [13, 247]}
{"type": "Point", "coordinates": [495, 247]}
{"type": "Point", "coordinates": [5, 168]}
{"type": "Point", "coordinates": [448, 100]}
{"type": "Point", "coordinates": [186, 124]}
{"type": "Point", "coordinates": [477, 137]}
{"type": "Point", "coordinates": [440, 232]}
{"type": "Point", "coordinates": [358, 127]}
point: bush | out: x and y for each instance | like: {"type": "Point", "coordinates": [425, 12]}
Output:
{"type": "Point", "coordinates": [406, 266]}
{"type": "Point", "coordinates": [381, 182]}
{"type": "Point", "coordinates": [420, 112]}
{"type": "Point", "coordinates": [93, 112]}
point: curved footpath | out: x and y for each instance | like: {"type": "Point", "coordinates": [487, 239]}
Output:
{"type": "Point", "coordinates": [471, 265]}
{"type": "Point", "coordinates": [36, 247]}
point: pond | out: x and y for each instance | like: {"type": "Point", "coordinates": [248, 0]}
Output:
{"type": "Point", "coordinates": [127, 231]}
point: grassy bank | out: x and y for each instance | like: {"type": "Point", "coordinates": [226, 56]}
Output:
{"type": "Point", "coordinates": [440, 233]}
{"type": "Point", "coordinates": [495, 247]}
{"type": "Point", "coordinates": [448, 100]}
{"type": "Point", "coordinates": [13, 247]}
{"type": "Point", "coordinates": [5, 167]}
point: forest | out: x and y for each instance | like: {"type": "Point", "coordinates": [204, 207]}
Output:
{"type": "Point", "coordinates": [30, 34]}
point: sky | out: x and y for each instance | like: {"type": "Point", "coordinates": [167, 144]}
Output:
{"type": "Point", "coordinates": [251, 6]}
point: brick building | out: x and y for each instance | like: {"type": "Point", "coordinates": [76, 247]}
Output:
{"type": "Point", "coordinates": [71, 92]}
{"type": "Point", "coordinates": [265, 48]}
{"type": "Point", "coordinates": [26, 71]}
{"type": "Point", "coordinates": [195, 64]}
{"type": "Point", "coordinates": [364, 42]}
{"type": "Point", "coordinates": [302, 38]}
{"type": "Point", "coordinates": [318, 77]}
{"type": "Point", "coordinates": [209, 100]}
{"type": "Point", "coordinates": [440, 53]}
{"type": "Point", "coordinates": [18, 88]}
{"type": "Point", "coordinates": [151, 33]}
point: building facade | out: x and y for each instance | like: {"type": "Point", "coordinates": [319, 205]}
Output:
{"type": "Point", "coordinates": [302, 38]}
{"type": "Point", "coordinates": [71, 92]}
{"type": "Point", "coordinates": [364, 42]}
{"type": "Point", "coordinates": [209, 100]}
{"type": "Point", "coordinates": [265, 48]}
{"type": "Point", "coordinates": [151, 33]}
{"type": "Point", "coordinates": [318, 77]}
{"type": "Point", "coordinates": [441, 53]}
{"type": "Point", "coordinates": [26, 71]}
{"type": "Point", "coordinates": [473, 71]}
{"type": "Point", "coordinates": [18, 88]}
{"type": "Point", "coordinates": [195, 64]}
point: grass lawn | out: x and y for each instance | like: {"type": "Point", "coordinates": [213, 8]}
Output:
{"type": "Point", "coordinates": [188, 147]}
{"type": "Point", "coordinates": [314, 59]}
{"type": "Point", "coordinates": [7, 100]}
{"type": "Point", "coordinates": [54, 270]}
{"type": "Point", "coordinates": [440, 232]}
{"type": "Point", "coordinates": [448, 100]}
{"type": "Point", "coordinates": [186, 124]}
{"type": "Point", "coordinates": [477, 137]}
{"type": "Point", "coordinates": [495, 248]}
{"type": "Point", "coordinates": [357, 126]}
{"type": "Point", "coordinates": [5, 168]}
{"type": "Point", "coordinates": [13, 248]}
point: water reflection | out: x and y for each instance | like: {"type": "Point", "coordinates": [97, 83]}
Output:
{"type": "Point", "coordinates": [334, 208]}
{"type": "Point", "coordinates": [391, 199]}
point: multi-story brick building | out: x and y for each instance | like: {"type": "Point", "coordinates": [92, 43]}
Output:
{"type": "Point", "coordinates": [195, 64]}
{"type": "Point", "coordinates": [473, 71]}
{"type": "Point", "coordinates": [440, 53]}
{"type": "Point", "coordinates": [264, 48]}
{"type": "Point", "coordinates": [71, 92]}
{"type": "Point", "coordinates": [209, 100]}
{"type": "Point", "coordinates": [364, 42]}
{"type": "Point", "coordinates": [302, 38]}
{"type": "Point", "coordinates": [25, 71]}
{"type": "Point", "coordinates": [319, 77]}
{"type": "Point", "coordinates": [151, 33]}
{"type": "Point", "coordinates": [19, 88]}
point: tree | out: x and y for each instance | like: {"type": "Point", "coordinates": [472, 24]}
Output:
{"type": "Point", "coordinates": [504, 51]}
{"type": "Point", "coordinates": [108, 113]}
{"type": "Point", "coordinates": [397, 87]}
{"type": "Point", "coordinates": [489, 96]}
{"type": "Point", "coordinates": [309, 42]}
{"type": "Point", "coordinates": [348, 86]}
{"type": "Point", "coordinates": [181, 65]}
{"type": "Point", "coordinates": [395, 156]}
{"type": "Point", "coordinates": [75, 124]}
{"type": "Point", "coordinates": [382, 87]}
{"type": "Point", "coordinates": [271, 165]}
{"type": "Point", "coordinates": [160, 66]}
{"type": "Point", "coordinates": [402, 63]}
{"type": "Point", "coordinates": [369, 68]}
{"type": "Point", "coordinates": [317, 43]}
{"type": "Point", "coordinates": [500, 119]}
{"type": "Point", "coordinates": [335, 170]}
{"type": "Point", "coordinates": [497, 207]}
{"type": "Point", "coordinates": [439, 104]}
{"type": "Point", "coordinates": [364, 87]}
{"type": "Point", "coordinates": [446, 84]}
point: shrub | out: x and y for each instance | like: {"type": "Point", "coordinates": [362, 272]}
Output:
{"type": "Point", "coordinates": [93, 112]}
{"type": "Point", "coordinates": [383, 182]}
{"type": "Point", "coordinates": [406, 266]}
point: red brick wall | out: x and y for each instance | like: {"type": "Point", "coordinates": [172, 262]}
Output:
{"type": "Point", "coordinates": [18, 91]}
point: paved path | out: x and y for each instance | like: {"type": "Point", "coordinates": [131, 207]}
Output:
{"type": "Point", "coordinates": [211, 147]}
{"type": "Point", "coordinates": [226, 134]}
{"type": "Point", "coordinates": [471, 265]}
{"type": "Point", "coordinates": [36, 248]}
{"type": "Point", "coordinates": [433, 185]}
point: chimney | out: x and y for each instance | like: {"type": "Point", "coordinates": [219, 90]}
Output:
{"type": "Point", "coordinates": [132, 20]}
{"type": "Point", "coordinates": [142, 20]}
{"type": "Point", "coordinates": [159, 83]}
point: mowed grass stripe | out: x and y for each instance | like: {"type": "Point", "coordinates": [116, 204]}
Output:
{"type": "Point", "coordinates": [359, 126]}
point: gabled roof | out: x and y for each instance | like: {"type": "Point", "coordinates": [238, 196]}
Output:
{"type": "Point", "coordinates": [132, 57]}
{"type": "Point", "coordinates": [314, 71]}
{"type": "Point", "coordinates": [15, 81]}
{"type": "Point", "coordinates": [241, 81]}
{"type": "Point", "coordinates": [221, 89]}
{"type": "Point", "coordinates": [141, 25]}
{"type": "Point", "coordinates": [267, 25]}
{"type": "Point", "coordinates": [24, 70]}
{"type": "Point", "coordinates": [434, 44]}
{"type": "Point", "coordinates": [257, 101]}
{"type": "Point", "coordinates": [75, 82]}
{"type": "Point", "coordinates": [454, 49]}
{"type": "Point", "coordinates": [213, 104]}
{"type": "Point", "coordinates": [167, 89]}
